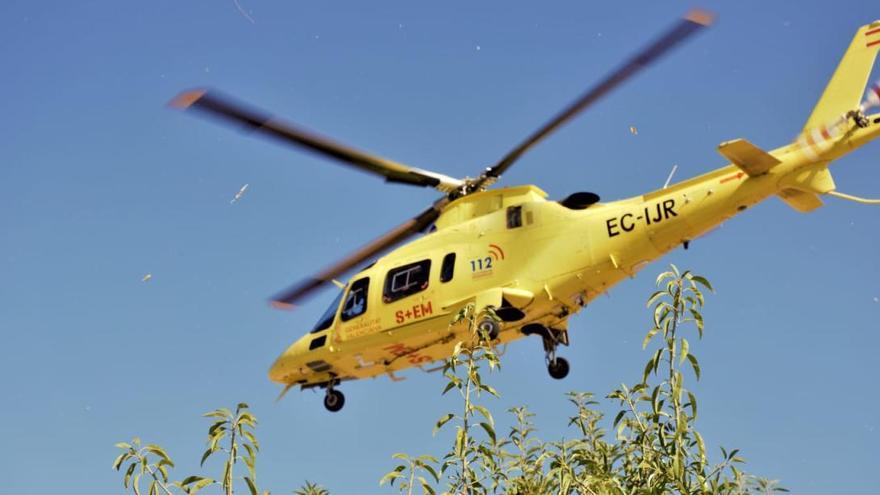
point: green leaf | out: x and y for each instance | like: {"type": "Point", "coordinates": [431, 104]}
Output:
{"type": "Point", "coordinates": [214, 444]}
{"type": "Point", "coordinates": [489, 389]}
{"type": "Point", "coordinates": [390, 477]}
{"type": "Point", "coordinates": [247, 418]}
{"type": "Point", "coordinates": [251, 486]}
{"type": "Point", "coordinates": [159, 451]}
{"type": "Point", "coordinates": [123, 445]}
{"type": "Point", "coordinates": [619, 416]}
{"type": "Point", "coordinates": [648, 367]}
{"type": "Point", "coordinates": [219, 425]}
{"type": "Point", "coordinates": [442, 421]}
{"type": "Point", "coordinates": [693, 404]}
{"type": "Point", "coordinates": [117, 463]}
{"type": "Point", "coordinates": [486, 414]}
{"type": "Point", "coordinates": [694, 364]}
{"type": "Point", "coordinates": [251, 452]}
{"type": "Point", "coordinates": [219, 413]}
{"type": "Point", "coordinates": [198, 485]}
{"type": "Point", "coordinates": [425, 486]}
{"type": "Point", "coordinates": [489, 431]}
{"type": "Point", "coordinates": [685, 347]}
{"type": "Point", "coordinates": [702, 281]}
{"type": "Point", "coordinates": [128, 472]}
{"type": "Point", "coordinates": [227, 472]}
{"type": "Point", "coordinates": [433, 472]}
{"type": "Point", "coordinates": [135, 484]}
{"type": "Point", "coordinates": [676, 387]}
{"type": "Point", "coordinates": [655, 400]}
{"type": "Point", "coordinates": [657, 359]}
{"type": "Point", "coordinates": [701, 447]}
{"type": "Point", "coordinates": [154, 488]}
{"type": "Point", "coordinates": [649, 336]}
{"type": "Point", "coordinates": [190, 479]}
{"type": "Point", "coordinates": [663, 276]}
{"type": "Point", "coordinates": [654, 297]}
{"type": "Point", "coordinates": [459, 441]}
{"type": "Point", "coordinates": [698, 319]}
{"type": "Point", "coordinates": [250, 436]}
{"type": "Point", "coordinates": [205, 456]}
{"type": "Point", "coordinates": [660, 314]}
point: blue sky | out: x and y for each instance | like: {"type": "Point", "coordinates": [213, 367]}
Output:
{"type": "Point", "coordinates": [103, 184]}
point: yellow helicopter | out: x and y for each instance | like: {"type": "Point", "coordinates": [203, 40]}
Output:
{"type": "Point", "coordinates": [533, 261]}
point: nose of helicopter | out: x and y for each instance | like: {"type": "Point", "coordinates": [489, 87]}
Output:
{"type": "Point", "coordinates": [286, 368]}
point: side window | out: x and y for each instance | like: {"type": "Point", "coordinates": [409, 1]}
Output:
{"type": "Point", "coordinates": [447, 269]}
{"type": "Point", "coordinates": [514, 217]}
{"type": "Point", "coordinates": [356, 301]}
{"type": "Point", "coordinates": [406, 280]}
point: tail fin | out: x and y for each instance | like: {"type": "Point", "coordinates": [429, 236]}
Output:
{"type": "Point", "coordinates": [844, 91]}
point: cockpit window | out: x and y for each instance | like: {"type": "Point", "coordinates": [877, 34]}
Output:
{"type": "Point", "coordinates": [326, 319]}
{"type": "Point", "coordinates": [356, 301]}
{"type": "Point", "coordinates": [406, 280]}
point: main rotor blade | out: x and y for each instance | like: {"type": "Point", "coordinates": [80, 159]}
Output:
{"type": "Point", "coordinates": [217, 105]}
{"type": "Point", "coordinates": [289, 297]}
{"type": "Point", "coordinates": [687, 26]}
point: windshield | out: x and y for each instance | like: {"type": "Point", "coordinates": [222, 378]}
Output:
{"type": "Point", "coordinates": [326, 319]}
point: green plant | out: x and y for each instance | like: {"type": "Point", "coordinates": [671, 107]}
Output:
{"type": "Point", "coordinates": [237, 428]}
{"type": "Point", "coordinates": [525, 466]}
{"type": "Point", "coordinates": [412, 465]}
{"type": "Point", "coordinates": [311, 489]}
{"type": "Point", "coordinates": [150, 460]}
{"type": "Point", "coordinates": [242, 446]}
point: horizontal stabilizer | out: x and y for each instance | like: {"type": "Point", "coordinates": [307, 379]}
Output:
{"type": "Point", "coordinates": [799, 200]}
{"type": "Point", "coordinates": [749, 158]}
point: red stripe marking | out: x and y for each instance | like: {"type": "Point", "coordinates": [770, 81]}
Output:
{"type": "Point", "coordinates": [873, 43]}
{"type": "Point", "coordinates": [729, 178]}
{"type": "Point", "coordinates": [825, 134]}
{"type": "Point", "coordinates": [873, 31]}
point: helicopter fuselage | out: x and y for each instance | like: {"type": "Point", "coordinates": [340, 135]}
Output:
{"type": "Point", "coordinates": [511, 247]}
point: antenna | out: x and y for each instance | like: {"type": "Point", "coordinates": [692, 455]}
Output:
{"type": "Point", "coordinates": [671, 173]}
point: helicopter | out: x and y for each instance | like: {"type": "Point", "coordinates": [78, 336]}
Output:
{"type": "Point", "coordinates": [530, 261]}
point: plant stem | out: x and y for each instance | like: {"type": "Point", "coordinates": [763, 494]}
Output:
{"type": "Point", "coordinates": [412, 477]}
{"type": "Point", "coordinates": [227, 481]}
{"type": "Point", "coordinates": [465, 474]}
{"type": "Point", "coordinates": [161, 485]}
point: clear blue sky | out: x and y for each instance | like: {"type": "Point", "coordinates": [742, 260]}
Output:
{"type": "Point", "coordinates": [102, 184]}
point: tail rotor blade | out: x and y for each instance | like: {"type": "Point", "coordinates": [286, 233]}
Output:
{"type": "Point", "coordinates": [873, 98]}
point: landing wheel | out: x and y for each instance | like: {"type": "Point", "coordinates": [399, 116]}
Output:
{"type": "Point", "coordinates": [558, 368]}
{"type": "Point", "coordinates": [490, 328]}
{"type": "Point", "coordinates": [334, 400]}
